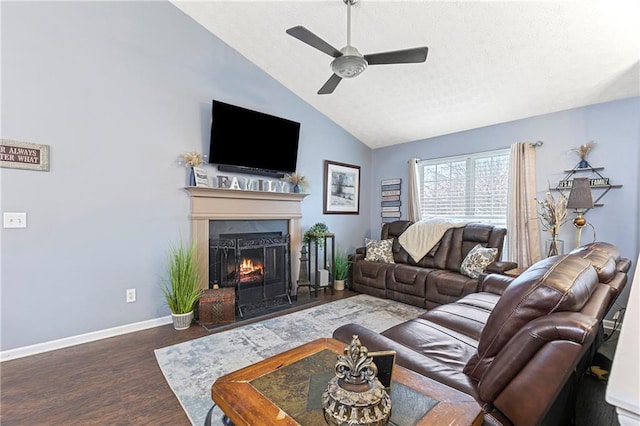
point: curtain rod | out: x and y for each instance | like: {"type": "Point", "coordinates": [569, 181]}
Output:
{"type": "Point", "coordinates": [533, 144]}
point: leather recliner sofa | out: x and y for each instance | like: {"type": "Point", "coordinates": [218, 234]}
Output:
{"type": "Point", "coordinates": [519, 345]}
{"type": "Point", "coordinates": [436, 278]}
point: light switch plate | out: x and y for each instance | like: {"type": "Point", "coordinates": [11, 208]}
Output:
{"type": "Point", "coordinates": [15, 220]}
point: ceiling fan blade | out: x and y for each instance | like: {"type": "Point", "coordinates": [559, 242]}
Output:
{"type": "Point", "coordinates": [306, 36]}
{"type": "Point", "coordinates": [408, 56]}
{"type": "Point", "coordinates": [330, 85]}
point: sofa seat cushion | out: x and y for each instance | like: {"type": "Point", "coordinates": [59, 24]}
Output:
{"type": "Point", "coordinates": [443, 352]}
{"type": "Point", "coordinates": [556, 284]}
{"type": "Point", "coordinates": [482, 300]}
{"type": "Point", "coordinates": [446, 286]}
{"type": "Point", "coordinates": [370, 278]}
{"type": "Point", "coordinates": [466, 317]}
{"type": "Point", "coordinates": [435, 341]}
{"type": "Point", "coordinates": [408, 279]}
{"type": "Point", "coordinates": [442, 369]}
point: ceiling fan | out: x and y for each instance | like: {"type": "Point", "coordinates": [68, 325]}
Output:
{"type": "Point", "coordinates": [349, 62]}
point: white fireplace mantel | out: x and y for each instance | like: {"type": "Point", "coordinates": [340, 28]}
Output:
{"type": "Point", "coordinates": [231, 204]}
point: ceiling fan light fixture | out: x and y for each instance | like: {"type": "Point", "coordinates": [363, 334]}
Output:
{"type": "Point", "coordinates": [350, 64]}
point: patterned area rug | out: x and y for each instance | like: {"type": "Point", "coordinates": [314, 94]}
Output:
{"type": "Point", "coordinates": [191, 367]}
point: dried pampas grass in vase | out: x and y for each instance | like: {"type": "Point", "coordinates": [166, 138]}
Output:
{"type": "Point", "coordinates": [191, 160]}
{"type": "Point", "coordinates": [583, 150]}
{"type": "Point", "coordinates": [297, 180]}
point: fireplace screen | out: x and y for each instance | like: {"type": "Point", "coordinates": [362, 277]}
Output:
{"type": "Point", "coordinates": [256, 264]}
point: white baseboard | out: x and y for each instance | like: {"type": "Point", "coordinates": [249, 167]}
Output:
{"type": "Point", "coordinates": [82, 338]}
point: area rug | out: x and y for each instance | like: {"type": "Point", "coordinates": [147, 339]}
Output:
{"type": "Point", "coordinates": [190, 368]}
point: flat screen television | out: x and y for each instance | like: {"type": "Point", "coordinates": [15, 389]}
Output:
{"type": "Point", "coordinates": [247, 141]}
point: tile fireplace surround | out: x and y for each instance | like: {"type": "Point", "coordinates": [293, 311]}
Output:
{"type": "Point", "coordinates": [229, 204]}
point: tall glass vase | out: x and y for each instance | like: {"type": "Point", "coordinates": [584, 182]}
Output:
{"type": "Point", "coordinates": [554, 246]}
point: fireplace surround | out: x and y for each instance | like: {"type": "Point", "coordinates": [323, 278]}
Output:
{"type": "Point", "coordinates": [209, 204]}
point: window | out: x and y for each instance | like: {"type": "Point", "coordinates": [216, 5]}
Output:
{"type": "Point", "coordinates": [470, 187]}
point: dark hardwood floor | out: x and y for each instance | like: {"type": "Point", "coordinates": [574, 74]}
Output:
{"type": "Point", "coordinates": [111, 381]}
{"type": "Point", "coordinates": [117, 381]}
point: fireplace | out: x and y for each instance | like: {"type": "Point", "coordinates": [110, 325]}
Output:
{"type": "Point", "coordinates": [255, 264]}
{"type": "Point", "coordinates": [209, 206]}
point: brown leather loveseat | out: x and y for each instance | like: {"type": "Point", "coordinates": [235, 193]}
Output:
{"type": "Point", "coordinates": [519, 344]}
{"type": "Point", "coordinates": [435, 279]}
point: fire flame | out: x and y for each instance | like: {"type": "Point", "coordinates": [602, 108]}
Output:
{"type": "Point", "coordinates": [247, 267]}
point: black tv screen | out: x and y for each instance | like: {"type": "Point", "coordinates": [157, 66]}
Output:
{"type": "Point", "coordinates": [247, 141]}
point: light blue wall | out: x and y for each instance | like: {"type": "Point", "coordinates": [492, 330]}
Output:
{"type": "Point", "coordinates": [614, 126]}
{"type": "Point", "coordinates": [119, 90]}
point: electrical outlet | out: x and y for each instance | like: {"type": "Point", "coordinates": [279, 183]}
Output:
{"type": "Point", "coordinates": [131, 295]}
{"type": "Point", "coordinates": [616, 315]}
{"type": "Point", "coordinates": [15, 220]}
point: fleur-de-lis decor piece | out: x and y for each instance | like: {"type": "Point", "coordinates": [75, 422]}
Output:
{"type": "Point", "coordinates": [355, 396]}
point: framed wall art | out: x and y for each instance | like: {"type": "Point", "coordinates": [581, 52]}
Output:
{"type": "Point", "coordinates": [24, 155]}
{"type": "Point", "coordinates": [202, 179]}
{"type": "Point", "coordinates": [341, 188]}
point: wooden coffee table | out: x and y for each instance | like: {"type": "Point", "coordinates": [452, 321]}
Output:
{"type": "Point", "coordinates": [286, 389]}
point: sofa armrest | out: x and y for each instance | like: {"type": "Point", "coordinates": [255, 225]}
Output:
{"type": "Point", "coordinates": [500, 267]}
{"type": "Point", "coordinates": [358, 255]}
{"type": "Point", "coordinates": [495, 283]}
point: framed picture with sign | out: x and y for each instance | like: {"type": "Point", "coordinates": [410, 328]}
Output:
{"type": "Point", "coordinates": [24, 155]}
{"type": "Point", "coordinates": [341, 188]}
{"type": "Point", "coordinates": [202, 178]}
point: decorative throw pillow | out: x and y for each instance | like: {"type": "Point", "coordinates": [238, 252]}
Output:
{"type": "Point", "coordinates": [379, 250]}
{"type": "Point", "coordinates": [477, 260]}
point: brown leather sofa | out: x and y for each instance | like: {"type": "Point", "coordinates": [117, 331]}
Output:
{"type": "Point", "coordinates": [436, 278]}
{"type": "Point", "coordinates": [519, 345]}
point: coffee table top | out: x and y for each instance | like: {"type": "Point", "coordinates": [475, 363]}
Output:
{"type": "Point", "coordinates": [287, 389]}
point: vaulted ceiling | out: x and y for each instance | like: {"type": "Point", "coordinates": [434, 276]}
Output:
{"type": "Point", "coordinates": [489, 62]}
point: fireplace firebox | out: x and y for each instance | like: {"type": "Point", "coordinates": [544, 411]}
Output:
{"type": "Point", "coordinates": [257, 265]}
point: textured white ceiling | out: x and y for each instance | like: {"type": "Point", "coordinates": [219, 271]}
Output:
{"type": "Point", "coordinates": [489, 62]}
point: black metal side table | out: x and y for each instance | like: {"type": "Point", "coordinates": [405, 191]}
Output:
{"type": "Point", "coordinates": [317, 255]}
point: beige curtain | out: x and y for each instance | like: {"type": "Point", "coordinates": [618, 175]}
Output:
{"type": "Point", "coordinates": [414, 213]}
{"type": "Point", "coordinates": [523, 234]}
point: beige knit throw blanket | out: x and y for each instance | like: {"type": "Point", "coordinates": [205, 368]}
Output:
{"type": "Point", "coordinates": [420, 237]}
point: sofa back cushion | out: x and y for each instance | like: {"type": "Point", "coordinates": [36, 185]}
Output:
{"type": "Point", "coordinates": [602, 256]}
{"type": "Point", "coordinates": [556, 284]}
{"type": "Point", "coordinates": [465, 239]}
{"type": "Point", "coordinates": [452, 248]}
